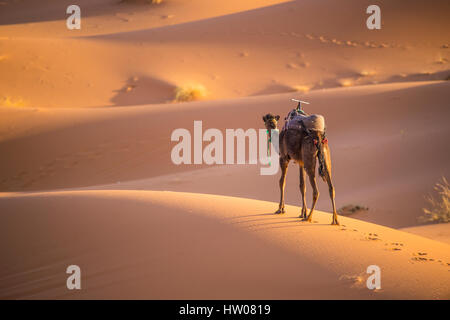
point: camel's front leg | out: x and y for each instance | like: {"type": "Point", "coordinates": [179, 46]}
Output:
{"type": "Point", "coordinates": [303, 192]}
{"type": "Point", "coordinates": [284, 166]}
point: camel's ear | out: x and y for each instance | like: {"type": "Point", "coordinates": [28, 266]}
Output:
{"type": "Point", "coordinates": [277, 117]}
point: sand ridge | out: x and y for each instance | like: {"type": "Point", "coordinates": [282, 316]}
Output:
{"type": "Point", "coordinates": [86, 177]}
{"type": "Point", "coordinates": [143, 66]}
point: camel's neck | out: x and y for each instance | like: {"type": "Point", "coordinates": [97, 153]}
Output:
{"type": "Point", "coordinates": [269, 132]}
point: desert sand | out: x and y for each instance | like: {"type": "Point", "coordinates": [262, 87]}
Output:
{"type": "Point", "coordinates": [86, 176]}
{"type": "Point", "coordinates": [190, 245]}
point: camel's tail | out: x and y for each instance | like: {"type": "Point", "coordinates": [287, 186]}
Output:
{"type": "Point", "coordinates": [320, 143]}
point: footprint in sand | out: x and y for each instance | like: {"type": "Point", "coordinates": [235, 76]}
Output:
{"type": "Point", "coordinates": [419, 259]}
{"type": "Point", "coordinates": [304, 64]}
{"type": "Point", "coordinates": [420, 256]}
{"type": "Point", "coordinates": [372, 237]}
{"type": "Point", "coordinates": [395, 246]}
{"type": "Point", "coordinates": [292, 65]}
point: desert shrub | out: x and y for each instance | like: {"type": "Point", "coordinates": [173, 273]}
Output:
{"type": "Point", "coordinates": [11, 102]}
{"type": "Point", "coordinates": [439, 206]}
{"type": "Point", "coordinates": [301, 88]}
{"type": "Point", "coordinates": [366, 73]}
{"type": "Point", "coordinates": [346, 82]}
{"type": "Point", "coordinates": [351, 209]}
{"type": "Point", "coordinates": [190, 93]}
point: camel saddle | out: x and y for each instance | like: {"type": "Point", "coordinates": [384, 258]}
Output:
{"type": "Point", "coordinates": [301, 120]}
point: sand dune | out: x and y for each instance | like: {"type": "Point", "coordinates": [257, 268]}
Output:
{"type": "Point", "coordinates": [79, 148]}
{"type": "Point", "coordinates": [89, 70]}
{"type": "Point", "coordinates": [86, 176]}
{"type": "Point", "coordinates": [47, 19]}
{"type": "Point", "coordinates": [439, 232]}
{"type": "Point", "coordinates": [181, 245]}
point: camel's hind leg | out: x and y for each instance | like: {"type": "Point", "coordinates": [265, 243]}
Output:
{"type": "Point", "coordinates": [331, 190]}
{"type": "Point", "coordinates": [284, 166]}
{"type": "Point", "coordinates": [312, 180]}
{"type": "Point", "coordinates": [330, 184]}
{"type": "Point", "coordinates": [303, 192]}
{"type": "Point", "coordinates": [309, 159]}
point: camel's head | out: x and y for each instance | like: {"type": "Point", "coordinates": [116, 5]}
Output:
{"type": "Point", "coordinates": [270, 121]}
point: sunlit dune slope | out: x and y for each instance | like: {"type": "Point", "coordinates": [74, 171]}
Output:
{"type": "Point", "coordinates": [144, 244]}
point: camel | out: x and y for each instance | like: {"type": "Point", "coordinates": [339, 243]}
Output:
{"type": "Point", "coordinates": [303, 143]}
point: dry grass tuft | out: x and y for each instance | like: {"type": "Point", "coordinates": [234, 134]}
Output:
{"type": "Point", "coordinates": [441, 60]}
{"type": "Point", "coordinates": [439, 208]}
{"type": "Point", "coordinates": [12, 102]}
{"type": "Point", "coordinates": [366, 73]}
{"type": "Point", "coordinates": [345, 82]}
{"type": "Point", "coordinates": [301, 88]}
{"type": "Point", "coordinates": [351, 209]}
{"type": "Point", "coordinates": [190, 93]}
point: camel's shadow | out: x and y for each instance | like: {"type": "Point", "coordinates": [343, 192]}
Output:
{"type": "Point", "coordinates": [287, 221]}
